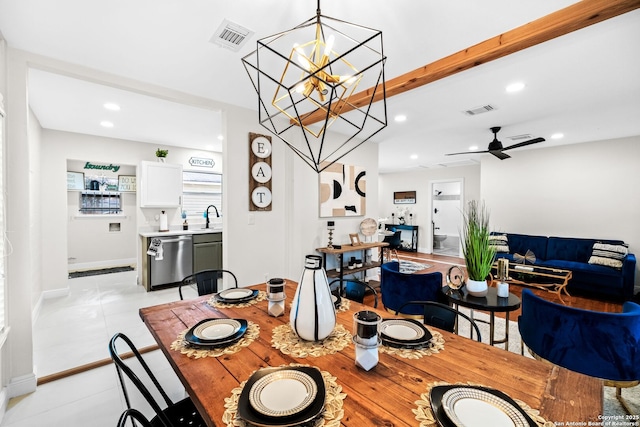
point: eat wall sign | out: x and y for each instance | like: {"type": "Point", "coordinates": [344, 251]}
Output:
{"type": "Point", "coordinates": [260, 172]}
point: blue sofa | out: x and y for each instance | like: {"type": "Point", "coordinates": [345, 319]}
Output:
{"type": "Point", "coordinates": [573, 254]}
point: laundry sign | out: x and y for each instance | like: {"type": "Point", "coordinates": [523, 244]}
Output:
{"type": "Point", "coordinates": [201, 162]}
{"type": "Point", "coordinates": [109, 167]}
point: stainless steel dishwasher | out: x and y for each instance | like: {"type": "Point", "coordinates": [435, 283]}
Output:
{"type": "Point", "coordinates": [176, 262]}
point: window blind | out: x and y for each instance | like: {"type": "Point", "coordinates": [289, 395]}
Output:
{"type": "Point", "coordinates": [2, 225]}
{"type": "Point", "coordinates": [199, 190]}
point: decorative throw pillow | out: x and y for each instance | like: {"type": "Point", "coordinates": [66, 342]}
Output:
{"type": "Point", "coordinates": [499, 242]}
{"type": "Point", "coordinates": [608, 255]}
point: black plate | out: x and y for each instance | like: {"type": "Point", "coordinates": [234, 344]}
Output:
{"type": "Point", "coordinates": [402, 344]}
{"type": "Point", "coordinates": [253, 295]}
{"type": "Point", "coordinates": [247, 413]}
{"type": "Point", "coordinates": [338, 299]}
{"type": "Point", "coordinates": [438, 411]}
{"type": "Point", "coordinates": [419, 341]}
{"type": "Point", "coordinates": [192, 339]}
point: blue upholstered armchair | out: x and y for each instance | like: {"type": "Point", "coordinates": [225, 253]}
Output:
{"type": "Point", "coordinates": [598, 344]}
{"type": "Point", "coordinates": [398, 288]}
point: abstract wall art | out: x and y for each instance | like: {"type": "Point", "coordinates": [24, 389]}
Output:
{"type": "Point", "coordinates": [343, 191]}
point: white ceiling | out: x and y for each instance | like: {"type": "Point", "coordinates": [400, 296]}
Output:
{"type": "Point", "coordinates": [585, 84]}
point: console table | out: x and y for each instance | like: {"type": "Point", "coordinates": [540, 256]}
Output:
{"type": "Point", "coordinates": [414, 235]}
{"type": "Point", "coordinates": [339, 252]}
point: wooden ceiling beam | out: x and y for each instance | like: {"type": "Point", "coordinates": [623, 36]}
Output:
{"type": "Point", "coordinates": [564, 21]}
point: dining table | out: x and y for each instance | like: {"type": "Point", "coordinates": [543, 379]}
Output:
{"type": "Point", "coordinates": [395, 392]}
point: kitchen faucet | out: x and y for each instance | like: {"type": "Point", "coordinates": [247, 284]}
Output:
{"type": "Point", "coordinates": [217, 214]}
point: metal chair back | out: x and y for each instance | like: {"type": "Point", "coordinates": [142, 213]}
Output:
{"type": "Point", "coordinates": [206, 281]}
{"type": "Point", "coordinates": [443, 316]}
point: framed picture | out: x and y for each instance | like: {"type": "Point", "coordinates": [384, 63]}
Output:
{"type": "Point", "coordinates": [404, 197]}
{"type": "Point", "coordinates": [126, 183]}
{"type": "Point", "coordinates": [355, 239]}
{"type": "Point", "coordinates": [343, 191]}
{"type": "Point", "coordinates": [75, 181]}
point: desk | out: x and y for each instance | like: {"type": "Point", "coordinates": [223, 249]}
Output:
{"type": "Point", "coordinates": [385, 395]}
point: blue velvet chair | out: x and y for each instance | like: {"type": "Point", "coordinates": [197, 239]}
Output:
{"type": "Point", "coordinates": [598, 344]}
{"type": "Point", "coordinates": [399, 288]}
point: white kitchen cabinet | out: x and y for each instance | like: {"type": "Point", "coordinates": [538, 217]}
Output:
{"type": "Point", "coordinates": [160, 185]}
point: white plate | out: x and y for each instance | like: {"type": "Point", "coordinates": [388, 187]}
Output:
{"type": "Point", "coordinates": [235, 293]}
{"type": "Point", "coordinates": [216, 329]}
{"type": "Point", "coordinates": [470, 407]}
{"type": "Point", "coordinates": [283, 393]}
{"type": "Point", "coordinates": [401, 330]}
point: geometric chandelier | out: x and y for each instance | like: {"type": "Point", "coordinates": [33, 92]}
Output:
{"type": "Point", "coordinates": [322, 73]}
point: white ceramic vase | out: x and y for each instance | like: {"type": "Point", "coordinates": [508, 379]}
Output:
{"type": "Point", "coordinates": [477, 288]}
{"type": "Point", "coordinates": [313, 315]}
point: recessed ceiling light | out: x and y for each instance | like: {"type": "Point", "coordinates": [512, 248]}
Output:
{"type": "Point", "coordinates": [400, 118]}
{"type": "Point", "coordinates": [221, 137]}
{"type": "Point", "coordinates": [106, 124]}
{"type": "Point", "coordinates": [557, 136]}
{"type": "Point", "coordinates": [414, 156]}
{"type": "Point", "coordinates": [111, 106]}
{"type": "Point", "coordinates": [515, 87]}
{"type": "Point", "coordinates": [473, 148]}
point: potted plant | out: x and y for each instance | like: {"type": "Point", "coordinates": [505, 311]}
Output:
{"type": "Point", "coordinates": [478, 254]}
{"type": "Point", "coordinates": [161, 154]}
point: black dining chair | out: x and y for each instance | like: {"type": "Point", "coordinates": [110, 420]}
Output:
{"type": "Point", "coordinates": [174, 414]}
{"type": "Point", "coordinates": [136, 418]}
{"type": "Point", "coordinates": [395, 243]}
{"type": "Point", "coordinates": [354, 290]}
{"type": "Point", "coordinates": [443, 316]}
{"type": "Point", "coordinates": [206, 281]}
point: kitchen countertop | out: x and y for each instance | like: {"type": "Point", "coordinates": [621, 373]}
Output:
{"type": "Point", "coordinates": [179, 232]}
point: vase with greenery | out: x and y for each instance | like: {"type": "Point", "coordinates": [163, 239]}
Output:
{"type": "Point", "coordinates": [161, 154]}
{"type": "Point", "coordinates": [478, 254]}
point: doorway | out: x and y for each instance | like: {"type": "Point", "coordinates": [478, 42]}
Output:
{"type": "Point", "coordinates": [446, 216]}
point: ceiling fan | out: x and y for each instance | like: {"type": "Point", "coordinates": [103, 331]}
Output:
{"type": "Point", "coordinates": [496, 148]}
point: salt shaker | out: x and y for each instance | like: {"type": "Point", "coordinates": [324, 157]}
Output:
{"type": "Point", "coordinates": [366, 338]}
{"type": "Point", "coordinates": [276, 297]}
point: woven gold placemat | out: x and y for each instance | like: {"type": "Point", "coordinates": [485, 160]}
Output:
{"type": "Point", "coordinates": [424, 414]}
{"type": "Point", "coordinates": [286, 340]}
{"type": "Point", "coordinates": [262, 296]}
{"type": "Point", "coordinates": [197, 352]}
{"type": "Point", "coordinates": [435, 346]}
{"type": "Point", "coordinates": [345, 304]}
{"type": "Point", "coordinates": [331, 417]}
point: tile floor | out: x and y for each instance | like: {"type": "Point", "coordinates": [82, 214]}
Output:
{"type": "Point", "coordinates": [75, 330]}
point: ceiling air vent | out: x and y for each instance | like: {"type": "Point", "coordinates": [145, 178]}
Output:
{"type": "Point", "coordinates": [231, 35]}
{"type": "Point", "coordinates": [521, 137]}
{"type": "Point", "coordinates": [480, 110]}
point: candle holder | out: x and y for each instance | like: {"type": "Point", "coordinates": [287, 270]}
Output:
{"type": "Point", "coordinates": [331, 225]}
{"type": "Point", "coordinates": [366, 338]}
{"type": "Point", "coordinates": [276, 297]}
{"type": "Point", "coordinates": [503, 276]}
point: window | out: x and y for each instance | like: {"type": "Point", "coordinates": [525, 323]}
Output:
{"type": "Point", "coordinates": [3, 254]}
{"type": "Point", "coordinates": [199, 190]}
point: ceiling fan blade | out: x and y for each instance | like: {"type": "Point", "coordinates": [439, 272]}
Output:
{"type": "Point", "coordinates": [499, 154]}
{"type": "Point", "coordinates": [525, 143]}
{"type": "Point", "coordinates": [467, 152]}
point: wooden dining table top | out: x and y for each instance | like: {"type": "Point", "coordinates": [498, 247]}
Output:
{"type": "Point", "coordinates": [383, 396]}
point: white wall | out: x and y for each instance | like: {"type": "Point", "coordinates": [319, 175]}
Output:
{"type": "Point", "coordinates": [584, 190]}
{"type": "Point", "coordinates": [420, 180]}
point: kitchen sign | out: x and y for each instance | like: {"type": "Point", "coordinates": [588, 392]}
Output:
{"type": "Point", "coordinates": [201, 162]}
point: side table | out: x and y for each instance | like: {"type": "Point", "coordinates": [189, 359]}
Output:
{"type": "Point", "coordinates": [491, 303]}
